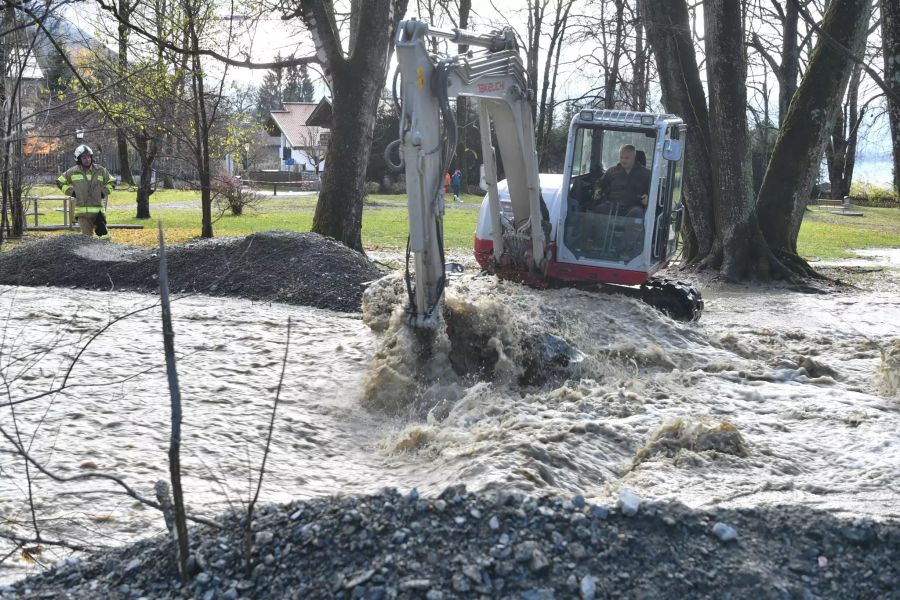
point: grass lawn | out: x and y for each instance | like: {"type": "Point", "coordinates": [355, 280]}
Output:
{"type": "Point", "coordinates": [823, 235]}
{"type": "Point", "coordinates": [385, 220]}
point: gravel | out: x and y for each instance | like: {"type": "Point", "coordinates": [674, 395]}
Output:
{"type": "Point", "coordinates": [393, 545]}
{"type": "Point", "coordinates": [295, 268]}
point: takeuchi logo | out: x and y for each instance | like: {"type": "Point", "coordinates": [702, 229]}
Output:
{"type": "Point", "coordinates": [494, 86]}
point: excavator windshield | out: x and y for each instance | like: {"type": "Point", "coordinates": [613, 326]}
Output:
{"type": "Point", "coordinates": [608, 192]}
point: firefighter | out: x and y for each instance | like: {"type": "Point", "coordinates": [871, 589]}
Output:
{"type": "Point", "coordinates": [90, 184]}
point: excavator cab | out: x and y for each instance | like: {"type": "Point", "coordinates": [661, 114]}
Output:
{"type": "Point", "coordinates": [619, 207]}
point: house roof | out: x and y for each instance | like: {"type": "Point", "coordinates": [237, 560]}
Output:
{"type": "Point", "coordinates": [292, 123]}
{"type": "Point", "coordinates": [321, 114]}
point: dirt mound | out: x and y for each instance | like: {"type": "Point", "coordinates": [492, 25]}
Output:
{"type": "Point", "coordinates": [296, 268]}
{"type": "Point", "coordinates": [506, 546]}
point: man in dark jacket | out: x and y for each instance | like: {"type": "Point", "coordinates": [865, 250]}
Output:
{"type": "Point", "coordinates": [625, 186]}
{"type": "Point", "coordinates": [624, 192]}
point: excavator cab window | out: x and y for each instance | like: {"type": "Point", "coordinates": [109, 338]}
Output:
{"type": "Point", "coordinates": [607, 206]}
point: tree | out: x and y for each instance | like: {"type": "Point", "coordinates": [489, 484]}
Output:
{"type": "Point", "coordinates": [356, 78]}
{"type": "Point", "coordinates": [16, 52]}
{"type": "Point", "coordinates": [669, 34]}
{"type": "Point", "coordinates": [126, 8]}
{"type": "Point", "coordinates": [462, 112]}
{"type": "Point", "coordinates": [840, 151]}
{"type": "Point", "coordinates": [801, 141]}
{"type": "Point", "coordinates": [551, 72]}
{"type": "Point", "coordinates": [890, 39]}
{"type": "Point", "coordinates": [283, 84]}
{"type": "Point", "coordinates": [730, 229]}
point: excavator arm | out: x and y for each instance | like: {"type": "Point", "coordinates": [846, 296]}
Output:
{"type": "Point", "coordinates": [495, 77]}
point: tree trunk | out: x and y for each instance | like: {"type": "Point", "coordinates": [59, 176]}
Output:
{"type": "Point", "coordinates": [551, 67]}
{"type": "Point", "coordinates": [890, 40]}
{"type": "Point", "coordinates": [462, 159]}
{"type": "Point", "coordinates": [745, 255]}
{"type": "Point", "coordinates": [201, 128]}
{"type": "Point", "coordinates": [669, 35]}
{"type": "Point", "coordinates": [639, 94]}
{"type": "Point", "coordinates": [840, 152]}
{"type": "Point", "coordinates": [356, 84]}
{"type": "Point", "coordinates": [611, 79]}
{"type": "Point", "coordinates": [121, 141]}
{"type": "Point", "coordinates": [533, 46]}
{"type": "Point", "coordinates": [789, 69]}
{"type": "Point", "coordinates": [339, 209]}
{"type": "Point", "coordinates": [835, 155]}
{"type": "Point", "coordinates": [801, 141]}
{"type": "Point", "coordinates": [146, 149]}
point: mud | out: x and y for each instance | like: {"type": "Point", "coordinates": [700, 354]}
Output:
{"type": "Point", "coordinates": [295, 268]}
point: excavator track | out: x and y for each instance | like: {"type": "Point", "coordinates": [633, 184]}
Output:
{"type": "Point", "coordinates": [681, 301]}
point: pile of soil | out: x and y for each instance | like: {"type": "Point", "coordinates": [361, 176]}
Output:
{"type": "Point", "coordinates": [295, 268]}
{"type": "Point", "coordinates": [463, 545]}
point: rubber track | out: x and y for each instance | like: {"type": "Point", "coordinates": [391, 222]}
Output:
{"type": "Point", "coordinates": [680, 300]}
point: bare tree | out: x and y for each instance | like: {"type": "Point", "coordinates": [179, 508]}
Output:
{"type": "Point", "coordinates": [801, 142]}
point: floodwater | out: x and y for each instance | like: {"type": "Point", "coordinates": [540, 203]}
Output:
{"type": "Point", "coordinates": [773, 397]}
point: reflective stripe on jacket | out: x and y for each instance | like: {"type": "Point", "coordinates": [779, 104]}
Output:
{"type": "Point", "coordinates": [89, 186]}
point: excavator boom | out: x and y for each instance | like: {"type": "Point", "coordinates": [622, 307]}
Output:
{"type": "Point", "coordinates": [495, 78]}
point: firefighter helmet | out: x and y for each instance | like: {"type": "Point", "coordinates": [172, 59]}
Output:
{"type": "Point", "coordinates": [83, 149]}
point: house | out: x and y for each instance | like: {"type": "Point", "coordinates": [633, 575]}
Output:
{"type": "Point", "coordinates": [301, 132]}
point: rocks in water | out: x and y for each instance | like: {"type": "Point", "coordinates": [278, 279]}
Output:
{"type": "Point", "coordinates": [888, 371]}
{"type": "Point", "coordinates": [724, 532]}
{"type": "Point", "coordinates": [629, 503]}
{"type": "Point", "coordinates": [695, 435]}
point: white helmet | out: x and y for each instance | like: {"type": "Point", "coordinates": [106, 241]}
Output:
{"type": "Point", "coordinates": [83, 149]}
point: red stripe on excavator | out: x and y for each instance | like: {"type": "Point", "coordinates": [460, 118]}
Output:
{"type": "Point", "coordinates": [562, 271]}
{"type": "Point", "coordinates": [587, 273]}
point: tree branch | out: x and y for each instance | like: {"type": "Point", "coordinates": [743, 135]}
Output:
{"type": "Point", "coordinates": [847, 52]}
{"type": "Point", "coordinates": [168, 45]}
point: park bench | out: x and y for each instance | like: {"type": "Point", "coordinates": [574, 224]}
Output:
{"type": "Point", "coordinates": [844, 204]}
{"type": "Point", "coordinates": [297, 184]}
{"type": "Point", "coordinates": [831, 201]}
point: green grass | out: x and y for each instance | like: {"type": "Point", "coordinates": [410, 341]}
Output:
{"type": "Point", "coordinates": [823, 235]}
{"type": "Point", "coordinates": [385, 220]}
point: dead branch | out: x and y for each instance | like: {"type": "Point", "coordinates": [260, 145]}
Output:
{"type": "Point", "coordinates": [175, 395]}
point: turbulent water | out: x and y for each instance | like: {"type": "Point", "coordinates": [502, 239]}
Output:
{"type": "Point", "coordinates": [773, 397]}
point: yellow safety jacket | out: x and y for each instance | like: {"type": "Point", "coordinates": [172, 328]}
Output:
{"type": "Point", "coordinates": [88, 186]}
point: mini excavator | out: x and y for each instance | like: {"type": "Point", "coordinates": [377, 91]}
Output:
{"type": "Point", "coordinates": [543, 230]}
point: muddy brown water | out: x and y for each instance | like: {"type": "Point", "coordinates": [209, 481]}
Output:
{"type": "Point", "coordinates": [773, 397]}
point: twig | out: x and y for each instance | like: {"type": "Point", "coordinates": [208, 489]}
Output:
{"type": "Point", "coordinates": [262, 467]}
{"type": "Point", "coordinates": [13, 537]}
{"type": "Point", "coordinates": [128, 490]}
{"type": "Point", "coordinates": [175, 395]}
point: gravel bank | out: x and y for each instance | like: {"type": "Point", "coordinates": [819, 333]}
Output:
{"type": "Point", "coordinates": [295, 268]}
{"type": "Point", "coordinates": [500, 546]}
